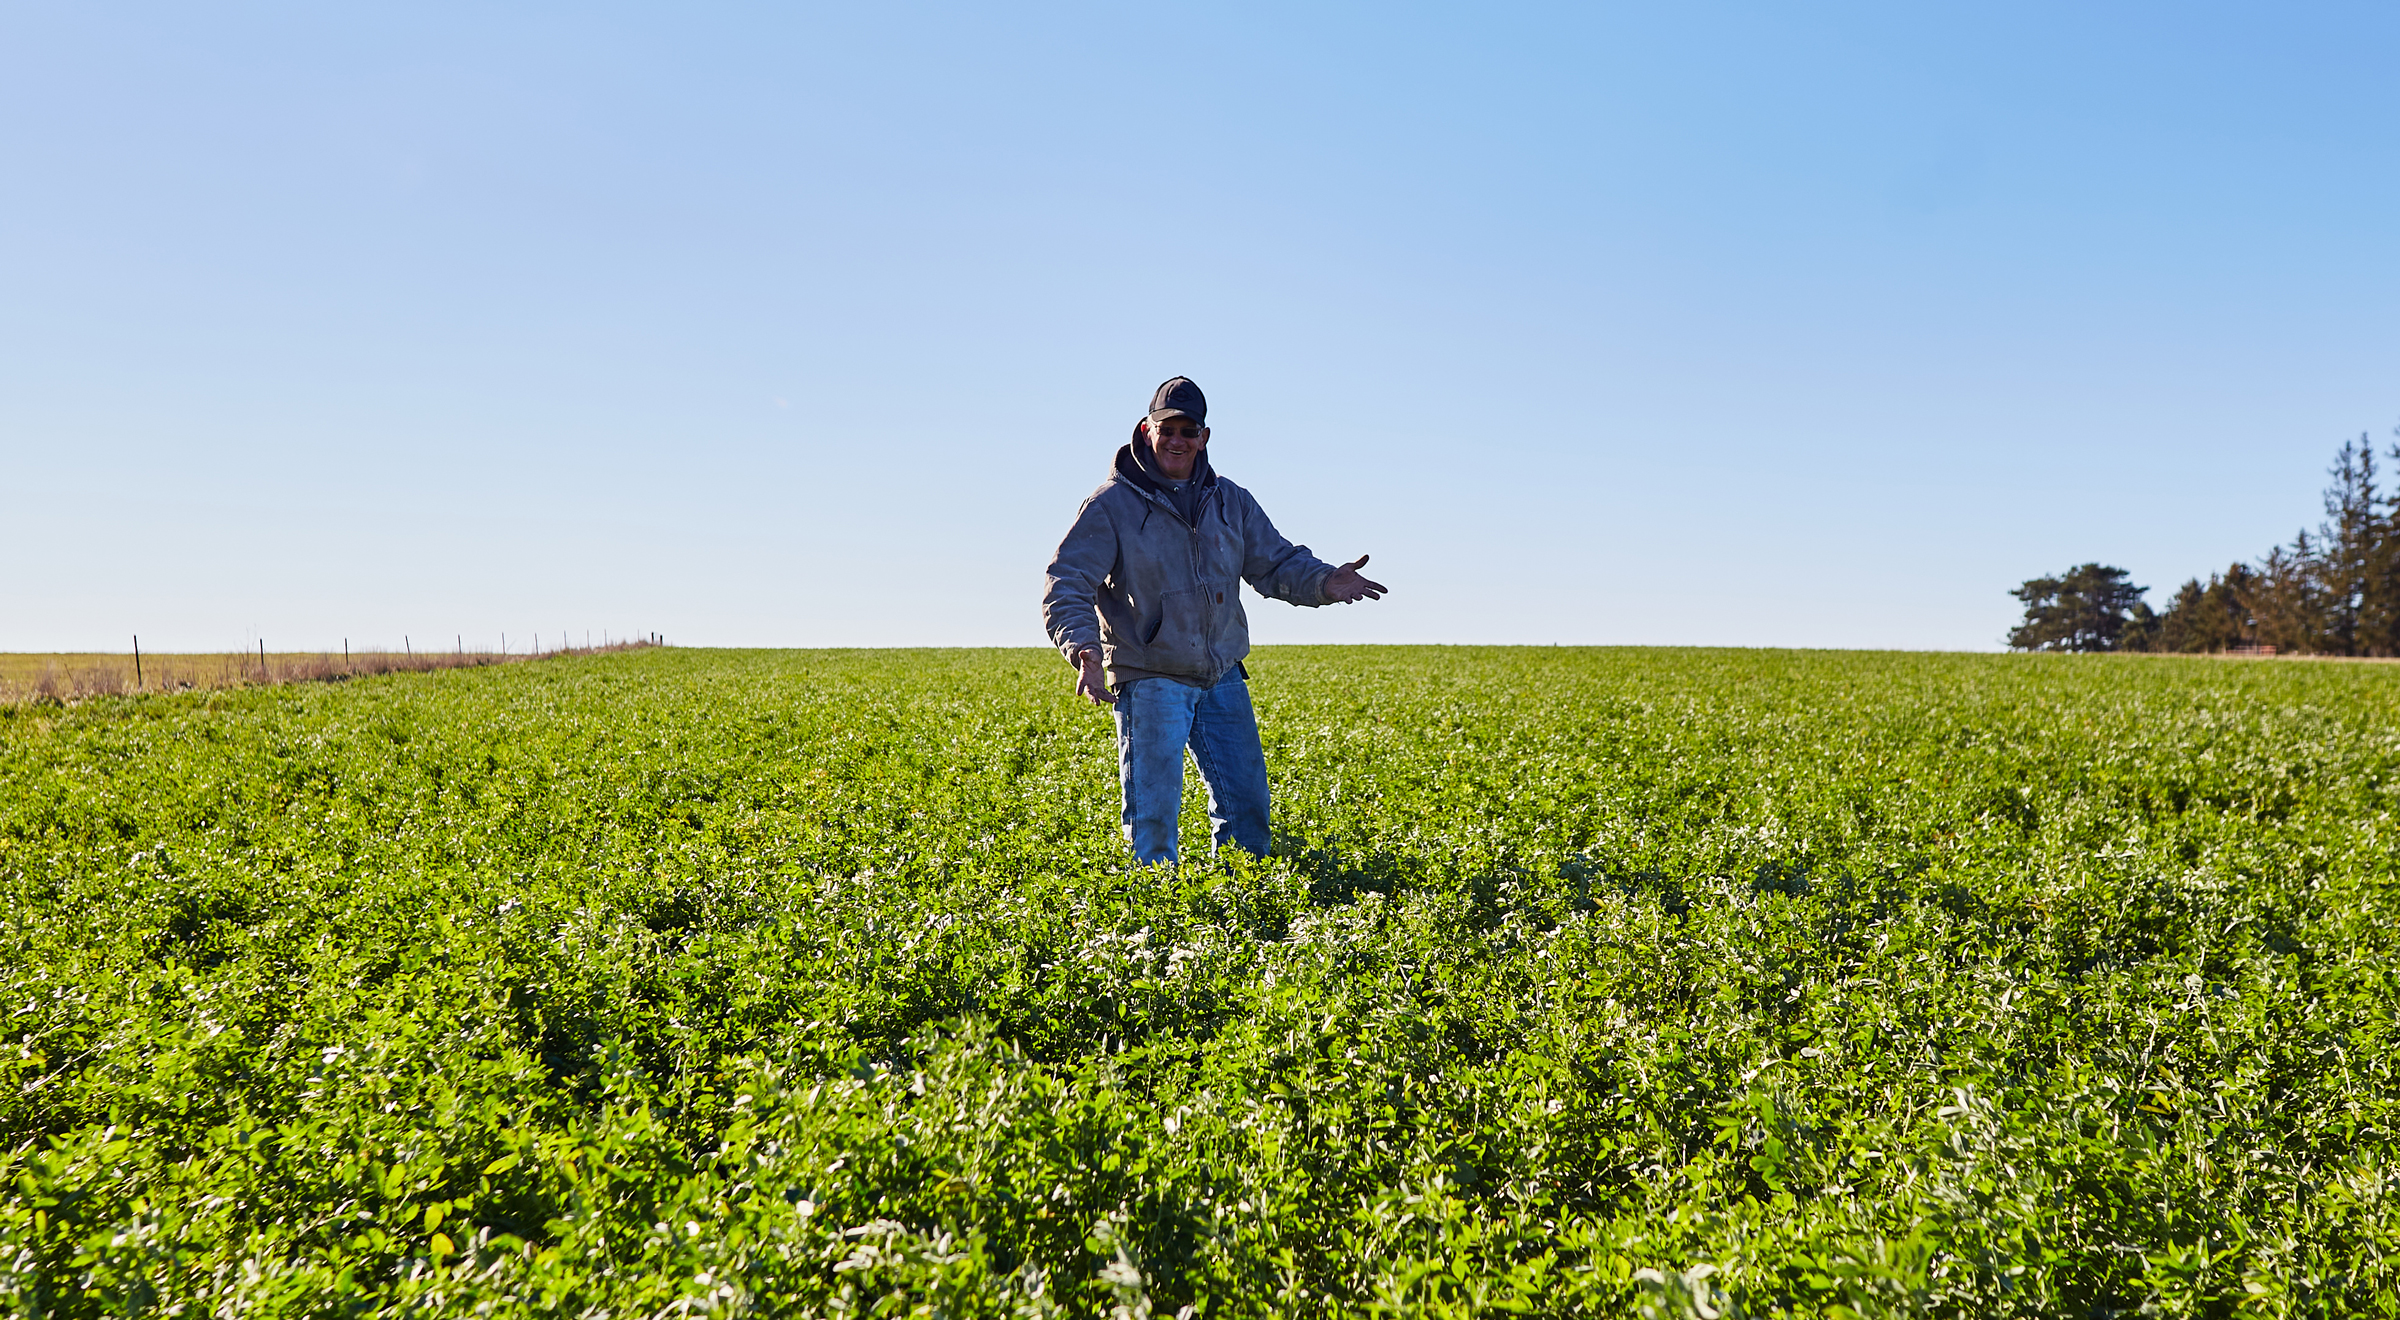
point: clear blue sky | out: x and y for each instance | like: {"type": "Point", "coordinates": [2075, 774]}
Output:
{"type": "Point", "coordinates": [1707, 323]}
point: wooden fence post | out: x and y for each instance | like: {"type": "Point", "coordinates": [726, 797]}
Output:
{"type": "Point", "coordinates": [137, 662]}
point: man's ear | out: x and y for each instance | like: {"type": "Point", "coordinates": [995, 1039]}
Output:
{"type": "Point", "coordinates": [1141, 431]}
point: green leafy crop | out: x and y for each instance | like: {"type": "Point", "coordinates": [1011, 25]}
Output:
{"type": "Point", "coordinates": [1584, 982]}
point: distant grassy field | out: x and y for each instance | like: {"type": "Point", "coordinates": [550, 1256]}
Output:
{"type": "Point", "coordinates": [1585, 982]}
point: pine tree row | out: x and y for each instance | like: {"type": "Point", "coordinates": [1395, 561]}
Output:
{"type": "Point", "coordinates": [2332, 592]}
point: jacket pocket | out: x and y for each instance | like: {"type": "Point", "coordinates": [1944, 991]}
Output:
{"type": "Point", "coordinates": [1177, 641]}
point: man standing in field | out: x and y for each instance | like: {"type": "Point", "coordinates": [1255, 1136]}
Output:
{"type": "Point", "coordinates": [1144, 600]}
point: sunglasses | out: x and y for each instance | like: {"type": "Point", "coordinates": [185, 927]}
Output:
{"type": "Point", "coordinates": [1188, 430]}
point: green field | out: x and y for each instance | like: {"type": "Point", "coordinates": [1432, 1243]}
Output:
{"type": "Point", "coordinates": [1584, 982]}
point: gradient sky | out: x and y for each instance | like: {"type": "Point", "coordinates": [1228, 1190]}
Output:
{"type": "Point", "coordinates": [1728, 324]}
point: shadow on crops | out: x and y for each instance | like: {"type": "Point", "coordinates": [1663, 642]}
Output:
{"type": "Point", "coordinates": [1586, 879]}
{"type": "Point", "coordinates": [1335, 878]}
{"type": "Point", "coordinates": [203, 928]}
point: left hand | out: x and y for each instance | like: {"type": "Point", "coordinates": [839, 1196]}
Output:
{"type": "Point", "coordinates": [1346, 585]}
{"type": "Point", "coordinates": [1091, 678]}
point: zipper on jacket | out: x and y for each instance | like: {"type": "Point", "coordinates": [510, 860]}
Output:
{"type": "Point", "coordinates": [1151, 501]}
{"type": "Point", "coordinates": [1208, 638]}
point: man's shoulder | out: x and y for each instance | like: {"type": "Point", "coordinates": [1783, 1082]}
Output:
{"type": "Point", "coordinates": [1109, 501]}
{"type": "Point", "coordinates": [1235, 494]}
{"type": "Point", "coordinates": [1114, 490]}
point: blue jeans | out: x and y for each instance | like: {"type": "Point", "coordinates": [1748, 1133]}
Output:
{"type": "Point", "coordinates": [1156, 719]}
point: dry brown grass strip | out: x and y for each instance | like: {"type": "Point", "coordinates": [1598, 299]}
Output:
{"type": "Point", "coordinates": [64, 679]}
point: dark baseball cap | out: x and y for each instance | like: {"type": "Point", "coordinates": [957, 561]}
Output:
{"type": "Point", "coordinates": [1179, 398]}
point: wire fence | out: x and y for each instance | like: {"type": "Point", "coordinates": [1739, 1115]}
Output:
{"type": "Point", "coordinates": [60, 680]}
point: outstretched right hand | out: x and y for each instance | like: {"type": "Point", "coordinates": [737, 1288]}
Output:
{"type": "Point", "coordinates": [1091, 680]}
{"type": "Point", "coordinates": [1347, 586]}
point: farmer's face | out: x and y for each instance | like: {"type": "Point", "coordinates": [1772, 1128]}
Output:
{"type": "Point", "coordinates": [1176, 443]}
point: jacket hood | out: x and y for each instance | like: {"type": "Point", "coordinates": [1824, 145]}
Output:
{"type": "Point", "coordinates": [1137, 469]}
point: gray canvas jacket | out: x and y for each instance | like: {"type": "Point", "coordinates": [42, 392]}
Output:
{"type": "Point", "coordinates": [1160, 596]}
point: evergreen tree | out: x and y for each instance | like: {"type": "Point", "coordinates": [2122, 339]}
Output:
{"type": "Point", "coordinates": [2178, 627]}
{"type": "Point", "coordinates": [2346, 544]}
{"type": "Point", "coordinates": [2362, 555]}
{"type": "Point", "coordinates": [2084, 610]}
{"type": "Point", "coordinates": [2225, 620]}
{"type": "Point", "coordinates": [2286, 601]}
{"type": "Point", "coordinates": [2142, 628]}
